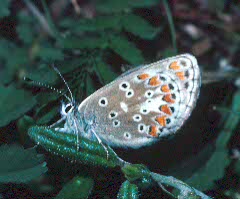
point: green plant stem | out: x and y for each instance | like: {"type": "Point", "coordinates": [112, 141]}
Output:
{"type": "Point", "coordinates": [185, 190]}
{"type": "Point", "coordinates": [92, 153]}
{"type": "Point", "coordinates": [171, 25]}
{"type": "Point", "coordinates": [42, 20]}
{"type": "Point", "coordinates": [54, 30]}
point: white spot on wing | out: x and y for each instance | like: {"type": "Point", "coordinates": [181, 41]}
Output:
{"type": "Point", "coordinates": [151, 105]}
{"type": "Point", "coordinates": [124, 106]}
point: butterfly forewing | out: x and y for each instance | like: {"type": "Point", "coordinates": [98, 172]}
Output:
{"type": "Point", "coordinates": [146, 104]}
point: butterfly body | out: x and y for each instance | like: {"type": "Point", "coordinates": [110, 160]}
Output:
{"type": "Point", "coordinates": [141, 106]}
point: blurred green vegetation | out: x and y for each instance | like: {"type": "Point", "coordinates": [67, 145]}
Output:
{"type": "Point", "coordinates": [92, 43]}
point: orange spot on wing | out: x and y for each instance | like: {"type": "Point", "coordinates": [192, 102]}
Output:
{"type": "Point", "coordinates": [180, 75]}
{"type": "Point", "coordinates": [143, 76]}
{"type": "Point", "coordinates": [174, 66]}
{"type": "Point", "coordinates": [161, 120]}
{"type": "Point", "coordinates": [168, 98]}
{"type": "Point", "coordinates": [166, 109]}
{"type": "Point", "coordinates": [153, 131]}
{"type": "Point", "coordinates": [165, 88]}
{"type": "Point", "coordinates": [154, 81]}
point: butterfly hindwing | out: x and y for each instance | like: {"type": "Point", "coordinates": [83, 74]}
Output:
{"type": "Point", "coordinates": [144, 104]}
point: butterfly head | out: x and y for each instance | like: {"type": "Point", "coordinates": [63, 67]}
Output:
{"type": "Point", "coordinates": [68, 108]}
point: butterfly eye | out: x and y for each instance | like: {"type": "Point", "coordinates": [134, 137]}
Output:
{"type": "Point", "coordinates": [67, 109]}
{"type": "Point", "coordinates": [124, 86]}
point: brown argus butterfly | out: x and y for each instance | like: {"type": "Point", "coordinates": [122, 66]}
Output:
{"type": "Point", "coordinates": [139, 107]}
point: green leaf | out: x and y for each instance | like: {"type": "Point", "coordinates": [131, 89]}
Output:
{"type": "Point", "coordinates": [128, 191]}
{"type": "Point", "coordinates": [214, 169]}
{"type": "Point", "coordinates": [90, 85]}
{"type": "Point", "coordinates": [48, 116]}
{"type": "Point", "coordinates": [99, 23]}
{"type": "Point", "coordinates": [138, 173]}
{"type": "Point", "coordinates": [138, 26]}
{"type": "Point", "coordinates": [237, 165]}
{"type": "Point", "coordinates": [19, 165]}
{"type": "Point", "coordinates": [109, 6]}
{"type": "Point", "coordinates": [25, 28]}
{"type": "Point", "coordinates": [216, 6]}
{"type": "Point", "coordinates": [14, 103]}
{"type": "Point", "coordinates": [168, 53]}
{"type": "Point", "coordinates": [23, 125]}
{"type": "Point", "coordinates": [25, 33]}
{"type": "Point", "coordinates": [15, 63]}
{"type": "Point", "coordinates": [232, 119]}
{"type": "Point", "coordinates": [86, 43]}
{"type": "Point", "coordinates": [78, 188]}
{"type": "Point", "coordinates": [73, 64]}
{"type": "Point", "coordinates": [45, 98]}
{"type": "Point", "coordinates": [204, 178]}
{"type": "Point", "coordinates": [44, 74]}
{"type": "Point", "coordinates": [6, 47]}
{"type": "Point", "coordinates": [50, 54]}
{"type": "Point", "coordinates": [126, 49]}
{"type": "Point", "coordinates": [4, 8]}
{"type": "Point", "coordinates": [143, 3]}
{"type": "Point", "coordinates": [129, 22]}
{"type": "Point", "coordinates": [20, 58]}
{"type": "Point", "coordinates": [104, 72]}
{"type": "Point", "coordinates": [7, 72]}
{"type": "Point", "coordinates": [71, 147]}
{"type": "Point", "coordinates": [135, 172]}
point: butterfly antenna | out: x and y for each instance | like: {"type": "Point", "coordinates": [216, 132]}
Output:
{"type": "Point", "coordinates": [71, 95]}
{"type": "Point", "coordinates": [46, 86]}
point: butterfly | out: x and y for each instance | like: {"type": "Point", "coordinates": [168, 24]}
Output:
{"type": "Point", "coordinates": [140, 107]}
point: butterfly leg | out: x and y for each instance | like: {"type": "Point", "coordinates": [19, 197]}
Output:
{"type": "Point", "coordinates": [57, 122]}
{"type": "Point", "coordinates": [100, 142]}
{"type": "Point", "coordinates": [76, 132]}
{"type": "Point", "coordinates": [62, 130]}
